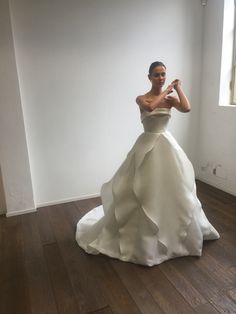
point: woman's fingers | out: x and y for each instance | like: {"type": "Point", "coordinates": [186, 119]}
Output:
{"type": "Point", "coordinates": [176, 82]}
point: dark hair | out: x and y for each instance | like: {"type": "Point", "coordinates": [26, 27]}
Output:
{"type": "Point", "coordinates": [155, 64]}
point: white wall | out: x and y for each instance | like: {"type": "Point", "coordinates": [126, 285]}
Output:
{"type": "Point", "coordinates": [217, 138]}
{"type": "Point", "coordinates": [80, 65]}
{"type": "Point", "coordinates": [3, 205]}
{"type": "Point", "coordinates": [16, 193]}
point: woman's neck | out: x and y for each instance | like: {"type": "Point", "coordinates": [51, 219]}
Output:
{"type": "Point", "coordinates": [155, 91]}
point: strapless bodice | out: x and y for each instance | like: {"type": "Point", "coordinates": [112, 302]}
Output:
{"type": "Point", "coordinates": [155, 121]}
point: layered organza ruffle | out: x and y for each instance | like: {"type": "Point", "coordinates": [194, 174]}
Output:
{"type": "Point", "coordinates": [150, 210]}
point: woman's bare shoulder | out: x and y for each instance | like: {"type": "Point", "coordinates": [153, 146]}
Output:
{"type": "Point", "coordinates": [143, 101]}
{"type": "Point", "coordinates": [141, 98]}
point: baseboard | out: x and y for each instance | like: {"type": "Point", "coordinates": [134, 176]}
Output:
{"type": "Point", "coordinates": [68, 200]}
{"type": "Point", "coordinates": [31, 210]}
{"type": "Point", "coordinates": [20, 212]}
{"type": "Point", "coordinates": [216, 186]}
{"type": "Point", "coordinates": [2, 212]}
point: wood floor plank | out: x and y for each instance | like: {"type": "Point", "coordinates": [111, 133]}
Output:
{"type": "Point", "coordinates": [227, 210]}
{"type": "Point", "coordinates": [230, 209]}
{"type": "Point", "coordinates": [136, 288]}
{"type": "Point", "coordinates": [14, 292]}
{"type": "Point", "coordinates": [216, 270]}
{"type": "Point", "coordinates": [85, 285]}
{"type": "Point", "coordinates": [44, 226]}
{"type": "Point", "coordinates": [164, 293]}
{"type": "Point", "coordinates": [43, 270]}
{"type": "Point", "coordinates": [222, 250]}
{"type": "Point", "coordinates": [221, 216]}
{"type": "Point", "coordinates": [232, 294]}
{"type": "Point", "coordinates": [63, 292]}
{"type": "Point", "coordinates": [114, 289]}
{"type": "Point", "coordinates": [206, 309]}
{"type": "Point", "coordinates": [95, 201]}
{"type": "Point", "coordinates": [37, 275]}
{"type": "Point", "coordinates": [85, 205]}
{"type": "Point", "coordinates": [232, 269]}
{"type": "Point", "coordinates": [105, 310]}
{"type": "Point", "coordinates": [209, 199]}
{"type": "Point", "coordinates": [218, 194]}
{"type": "Point", "coordinates": [224, 303]}
{"type": "Point", "coordinates": [182, 284]}
{"type": "Point", "coordinates": [116, 293]}
{"type": "Point", "coordinates": [205, 284]}
{"type": "Point", "coordinates": [110, 285]}
{"type": "Point", "coordinates": [200, 280]}
{"type": "Point", "coordinates": [75, 210]}
{"type": "Point", "coordinates": [82, 206]}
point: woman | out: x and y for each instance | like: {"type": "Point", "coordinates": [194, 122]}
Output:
{"type": "Point", "coordinates": [150, 211]}
{"type": "Point", "coordinates": [156, 98]}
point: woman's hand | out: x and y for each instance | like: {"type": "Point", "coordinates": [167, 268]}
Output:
{"type": "Point", "coordinates": [182, 104]}
{"type": "Point", "coordinates": [176, 83]}
{"type": "Point", "coordinates": [169, 88]}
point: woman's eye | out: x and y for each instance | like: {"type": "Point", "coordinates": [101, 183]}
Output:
{"type": "Point", "coordinates": [160, 74]}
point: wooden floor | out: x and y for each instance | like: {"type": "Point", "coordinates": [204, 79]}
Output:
{"type": "Point", "coordinates": [43, 270]}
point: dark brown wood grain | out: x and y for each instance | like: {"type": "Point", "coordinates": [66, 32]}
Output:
{"type": "Point", "coordinates": [43, 270]}
{"type": "Point", "coordinates": [137, 289]}
{"type": "Point", "coordinates": [42, 298]}
{"type": "Point", "coordinates": [62, 288]}
{"type": "Point", "coordinates": [14, 291]}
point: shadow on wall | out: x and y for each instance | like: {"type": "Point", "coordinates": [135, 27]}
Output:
{"type": "Point", "coordinates": [3, 207]}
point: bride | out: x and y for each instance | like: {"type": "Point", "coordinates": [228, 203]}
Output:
{"type": "Point", "coordinates": [150, 211]}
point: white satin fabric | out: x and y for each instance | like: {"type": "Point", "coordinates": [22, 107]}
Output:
{"type": "Point", "coordinates": [150, 210]}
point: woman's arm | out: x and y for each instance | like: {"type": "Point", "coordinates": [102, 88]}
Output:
{"type": "Point", "coordinates": [182, 104]}
{"type": "Point", "coordinates": [150, 105]}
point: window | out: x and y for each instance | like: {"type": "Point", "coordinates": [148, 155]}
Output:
{"type": "Point", "coordinates": [233, 81]}
{"type": "Point", "coordinates": [227, 86]}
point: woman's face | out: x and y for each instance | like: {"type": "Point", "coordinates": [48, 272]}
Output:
{"type": "Point", "coordinates": [158, 76]}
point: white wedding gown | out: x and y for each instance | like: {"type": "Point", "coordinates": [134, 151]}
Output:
{"type": "Point", "coordinates": [150, 210]}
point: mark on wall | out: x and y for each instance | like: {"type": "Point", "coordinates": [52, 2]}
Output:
{"type": "Point", "coordinates": [220, 172]}
{"type": "Point", "coordinates": [215, 169]}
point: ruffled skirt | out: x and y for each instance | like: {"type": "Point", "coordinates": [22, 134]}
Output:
{"type": "Point", "coordinates": [150, 211]}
